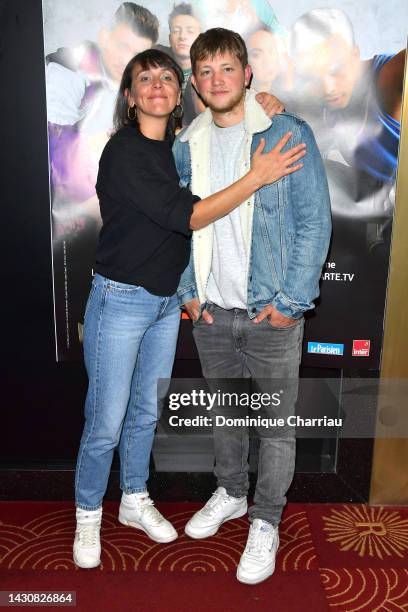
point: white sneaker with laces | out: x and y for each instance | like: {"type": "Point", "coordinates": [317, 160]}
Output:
{"type": "Point", "coordinates": [137, 510]}
{"type": "Point", "coordinates": [220, 507]}
{"type": "Point", "coordinates": [87, 543]}
{"type": "Point", "coordinates": [258, 559]}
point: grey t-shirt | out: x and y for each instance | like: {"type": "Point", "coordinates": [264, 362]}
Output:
{"type": "Point", "coordinates": [227, 282]}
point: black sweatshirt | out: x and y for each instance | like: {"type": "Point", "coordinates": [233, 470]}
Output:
{"type": "Point", "coordinates": [145, 237]}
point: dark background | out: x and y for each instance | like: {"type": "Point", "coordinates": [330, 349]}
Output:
{"type": "Point", "coordinates": [42, 401]}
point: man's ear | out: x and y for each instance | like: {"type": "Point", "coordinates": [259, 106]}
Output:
{"type": "Point", "coordinates": [193, 81]}
{"type": "Point", "coordinates": [248, 74]}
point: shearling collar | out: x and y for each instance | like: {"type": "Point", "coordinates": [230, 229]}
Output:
{"type": "Point", "coordinates": [255, 119]}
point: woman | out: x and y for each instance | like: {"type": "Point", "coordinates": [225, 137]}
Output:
{"type": "Point", "coordinates": [132, 315]}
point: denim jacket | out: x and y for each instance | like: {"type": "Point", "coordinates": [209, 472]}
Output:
{"type": "Point", "coordinates": [286, 225]}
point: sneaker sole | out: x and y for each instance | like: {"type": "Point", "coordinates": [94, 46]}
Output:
{"type": "Point", "coordinates": [255, 580]}
{"type": "Point", "coordinates": [214, 529]}
{"type": "Point", "coordinates": [258, 580]}
{"type": "Point", "coordinates": [85, 566]}
{"type": "Point", "coordinates": [127, 523]}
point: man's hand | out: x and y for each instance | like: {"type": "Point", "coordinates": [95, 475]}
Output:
{"type": "Point", "coordinates": [275, 318]}
{"type": "Point", "coordinates": [271, 105]}
{"type": "Point", "coordinates": [193, 310]}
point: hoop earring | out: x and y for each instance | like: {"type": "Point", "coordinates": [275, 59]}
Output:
{"type": "Point", "coordinates": [178, 111]}
{"type": "Point", "coordinates": [134, 112]}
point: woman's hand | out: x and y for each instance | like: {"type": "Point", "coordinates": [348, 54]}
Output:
{"type": "Point", "coordinates": [269, 167]}
{"type": "Point", "coordinates": [265, 168]}
{"type": "Point", "coordinates": [271, 105]}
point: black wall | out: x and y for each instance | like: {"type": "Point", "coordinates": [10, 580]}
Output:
{"type": "Point", "coordinates": [41, 400]}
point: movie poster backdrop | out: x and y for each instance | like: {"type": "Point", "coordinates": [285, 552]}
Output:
{"type": "Point", "coordinates": [340, 67]}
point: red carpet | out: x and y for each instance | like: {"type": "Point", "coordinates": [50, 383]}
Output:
{"type": "Point", "coordinates": [332, 557]}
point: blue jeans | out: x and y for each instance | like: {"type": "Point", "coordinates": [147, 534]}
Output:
{"type": "Point", "coordinates": [234, 347]}
{"type": "Point", "coordinates": [130, 340]}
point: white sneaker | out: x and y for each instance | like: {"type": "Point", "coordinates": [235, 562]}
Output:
{"type": "Point", "coordinates": [220, 507]}
{"type": "Point", "coordinates": [137, 510]}
{"type": "Point", "coordinates": [258, 559]}
{"type": "Point", "coordinates": [87, 543]}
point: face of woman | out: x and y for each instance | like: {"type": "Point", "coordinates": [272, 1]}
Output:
{"type": "Point", "coordinates": [154, 91]}
{"type": "Point", "coordinates": [263, 56]}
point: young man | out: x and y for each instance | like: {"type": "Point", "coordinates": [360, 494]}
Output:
{"type": "Point", "coordinates": [251, 277]}
{"type": "Point", "coordinates": [356, 104]}
{"type": "Point", "coordinates": [184, 28]}
{"type": "Point", "coordinates": [361, 98]}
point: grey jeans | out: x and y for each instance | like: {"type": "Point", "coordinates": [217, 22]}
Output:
{"type": "Point", "coordinates": [263, 359]}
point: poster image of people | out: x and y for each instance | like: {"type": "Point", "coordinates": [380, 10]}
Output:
{"type": "Point", "coordinates": [339, 67]}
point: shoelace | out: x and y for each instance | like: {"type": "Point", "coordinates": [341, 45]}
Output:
{"type": "Point", "coordinates": [148, 508]}
{"type": "Point", "coordinates": [259, 543]}
{"type": "Point", "coordinates": [217, 499]}
{"type": "Point", "coordinates": [88, 535]}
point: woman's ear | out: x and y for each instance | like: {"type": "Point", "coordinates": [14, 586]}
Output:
{"type": "Point", "coordinates": [128, 97]}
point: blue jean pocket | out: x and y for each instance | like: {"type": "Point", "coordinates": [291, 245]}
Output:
{"type": "Point", "coordinates": [122, 287]}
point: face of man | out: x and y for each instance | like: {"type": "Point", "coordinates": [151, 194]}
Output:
{"type": "Point", "coordinates": [221, 81]}
{"type": "Point", "coordinates": [118, 46]}
{"type": "Point", "coordinates": [331, 69]}
{"type": "Point", "coordinates": [183, 32]}
{"type": "Point", "coordinates": [263, 56]}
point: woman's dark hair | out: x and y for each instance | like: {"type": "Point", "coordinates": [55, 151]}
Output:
{"type": "Point", "coordinates": [151, 58]}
